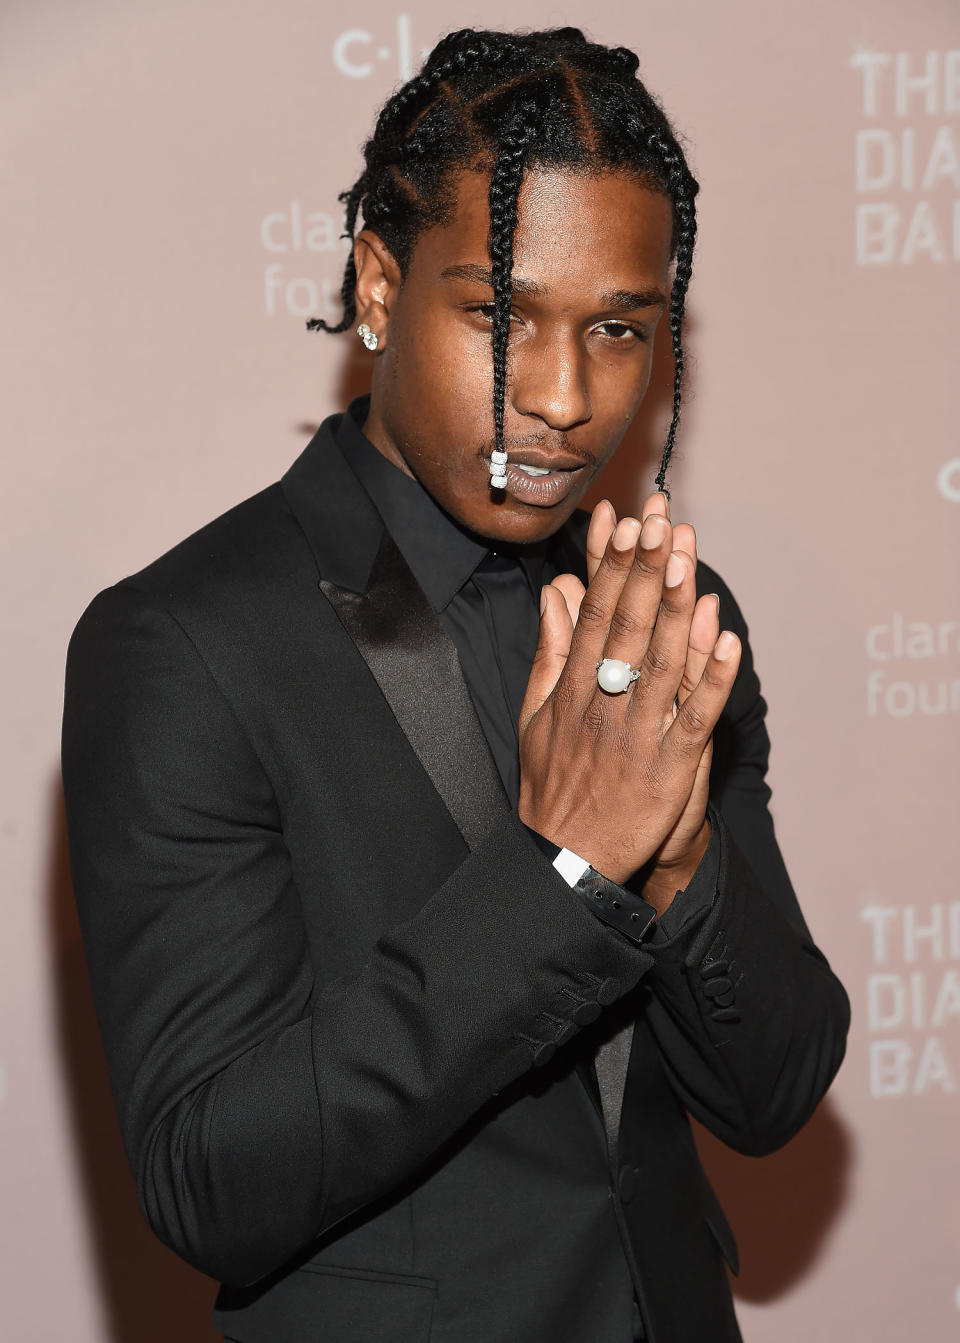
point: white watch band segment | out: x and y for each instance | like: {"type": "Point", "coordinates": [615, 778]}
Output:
{"type": "Point", "coordinates": [570, 866]}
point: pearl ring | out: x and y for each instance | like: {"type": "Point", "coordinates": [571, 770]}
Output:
{"type": "Point", "coordinates": [614, 676]}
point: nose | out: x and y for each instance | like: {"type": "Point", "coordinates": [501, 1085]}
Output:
{"type": "Point", "coordinates": [550, 382]}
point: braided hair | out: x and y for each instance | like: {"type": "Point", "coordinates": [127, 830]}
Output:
{"type": "Point", "coordinates": [500, 102]}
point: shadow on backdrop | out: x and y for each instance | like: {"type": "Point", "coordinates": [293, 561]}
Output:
{"type": "Point", "coordinates": [781, 1208]}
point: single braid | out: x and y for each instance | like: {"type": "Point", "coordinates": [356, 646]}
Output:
{"type": "Point", "coordinates": [348, 288]}
{"type": "Point", "coordinates": [678, 293]}
{"type": "Point", "coordinates": [504, 192]}
{"type": "Point", "coordinates": [684, 190]}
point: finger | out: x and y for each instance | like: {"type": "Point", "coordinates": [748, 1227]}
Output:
{"type": "Point", "coordinates": [572, 589]}
{"type": "Point", "coordinates": [633, 620]}
{"type": "Point", "coordinates": [685, 538]}
{"type": "Point", "coordinates": [701, 781]}
{"type": "Point", "coordinates": [598, 605]}
{"type": "Point", "coordinates": [665, 657]}
{"type": "Point", "coordinates": [655, 503]}
{"type": "Point", "coordinates": [553, 647]}
{"type": "Point", "coordinates": [704, 632]}
{"type": "Point", "coordinates": [688, 734]}
{"type": "Point", "coordinates": [602, 522]}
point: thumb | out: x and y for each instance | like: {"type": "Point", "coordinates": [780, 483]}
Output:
{"type": "Point", "coordinates": [556, 631]}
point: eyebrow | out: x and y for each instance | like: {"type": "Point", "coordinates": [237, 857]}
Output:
{"type": "Point", "coordinates": [621, 300]}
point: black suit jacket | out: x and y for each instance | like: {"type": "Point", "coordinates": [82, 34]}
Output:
{"type": "Point", "coordinates": [351, 1011]}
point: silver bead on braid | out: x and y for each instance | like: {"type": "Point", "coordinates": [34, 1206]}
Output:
{"type": "Point", "coordinates": [498, 470]}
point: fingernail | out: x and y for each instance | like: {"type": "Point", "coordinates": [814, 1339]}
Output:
{"type": "Point", "coordinates": [652, 532]}
{"type": "Point", "coordinates": [543, 600]}
{"type": "Point", "coordinates": [625, 534]}
{"type": "Point", "coordinates": [724, 646]}
{"type": "Point", "coordinates": [676, 570]}
{"type": "Point", "coordinates": [717, 595]}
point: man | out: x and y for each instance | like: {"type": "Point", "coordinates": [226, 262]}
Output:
{"type": "Point", "coordinates": [419, 832]}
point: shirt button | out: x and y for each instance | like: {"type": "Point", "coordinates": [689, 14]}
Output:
{"type": "Point", "coordinates": [627, 1182]}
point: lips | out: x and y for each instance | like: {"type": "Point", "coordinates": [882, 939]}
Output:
{"type": "Point", "coordinates": [542, 491]}
{"type": "Point", "coordinates": [546, 460]}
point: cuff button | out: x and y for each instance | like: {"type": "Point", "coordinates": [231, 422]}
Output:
{"type": "Point", "coordinates": [608, 992]}
{"type": "Point", "coordinates": [544, 1053]}
{"type": "Point", "coordinates": [584, 1013]}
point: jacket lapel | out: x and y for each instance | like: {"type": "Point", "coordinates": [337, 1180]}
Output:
{"type": "Point", "coordinates": [415, 664]}
{"type": "Point", "coordinates": [396, 631]}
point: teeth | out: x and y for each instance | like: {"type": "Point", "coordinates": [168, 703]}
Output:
{"type": "Point", "coordinates": [534, 470]}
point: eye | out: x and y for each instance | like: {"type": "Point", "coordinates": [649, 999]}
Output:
{"type": "Point", "coordinates": [486, 309]}
{"type": "Point", "coordinates": [623, 327]}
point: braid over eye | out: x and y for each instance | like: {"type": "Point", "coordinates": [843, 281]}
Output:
{"type": "Point", "coordinates": [501, 103]}
{"type": "Point", "coordinates": [504, 193]}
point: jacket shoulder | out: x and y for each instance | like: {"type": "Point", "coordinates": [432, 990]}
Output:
{"type": "Point", "coordinates": [240, 556]}
{"type": "Point", "coordinates": [242, 544]}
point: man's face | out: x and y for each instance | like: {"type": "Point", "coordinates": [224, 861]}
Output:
{"type": "Point", "coordinates": [590, 273]}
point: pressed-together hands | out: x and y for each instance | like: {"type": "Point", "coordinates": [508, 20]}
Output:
{"type": "Point", "coordinates": [622, 779]}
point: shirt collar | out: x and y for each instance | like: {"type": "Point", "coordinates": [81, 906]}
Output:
{"type": "Point", "coordinates": [442, 554]}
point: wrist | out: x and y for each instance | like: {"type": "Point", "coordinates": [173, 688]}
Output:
{"type": "Point", "coordinates": [626, 911]}
{"type": "Point", "coordinates": [666, 877]}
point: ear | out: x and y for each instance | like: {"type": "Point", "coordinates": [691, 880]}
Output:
{"type": "Point", "coordinates": [378, 279]}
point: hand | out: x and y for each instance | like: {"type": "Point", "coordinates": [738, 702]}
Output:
{"type": "Point", "coordinates": [622, 779]}
{"type": "Point", "coordinates": [678, 856]}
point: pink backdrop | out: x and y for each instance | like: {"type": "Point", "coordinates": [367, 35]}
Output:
{"type": "Point", "coordinates": [170, 217]}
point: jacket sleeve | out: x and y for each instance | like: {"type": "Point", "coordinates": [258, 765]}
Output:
{"type": "Point", "coordinates": [750, 1020]}
{"type": "Point", "coordinates": [258, 1108]}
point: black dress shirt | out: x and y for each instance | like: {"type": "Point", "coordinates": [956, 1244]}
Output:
{"type": "Point", "coordinates": [487, 598]}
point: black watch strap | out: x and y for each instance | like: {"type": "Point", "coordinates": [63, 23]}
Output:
{"type": "Point", "coordinates": [615, 905]}
{"type": "Point", "coordinates": [612, 904]}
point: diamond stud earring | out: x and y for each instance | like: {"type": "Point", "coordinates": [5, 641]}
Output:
{"type": "Point", "coordinates": [369, 338]}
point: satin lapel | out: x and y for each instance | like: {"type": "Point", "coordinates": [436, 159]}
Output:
{"type": "Point", "coordinates": [415, 664]}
